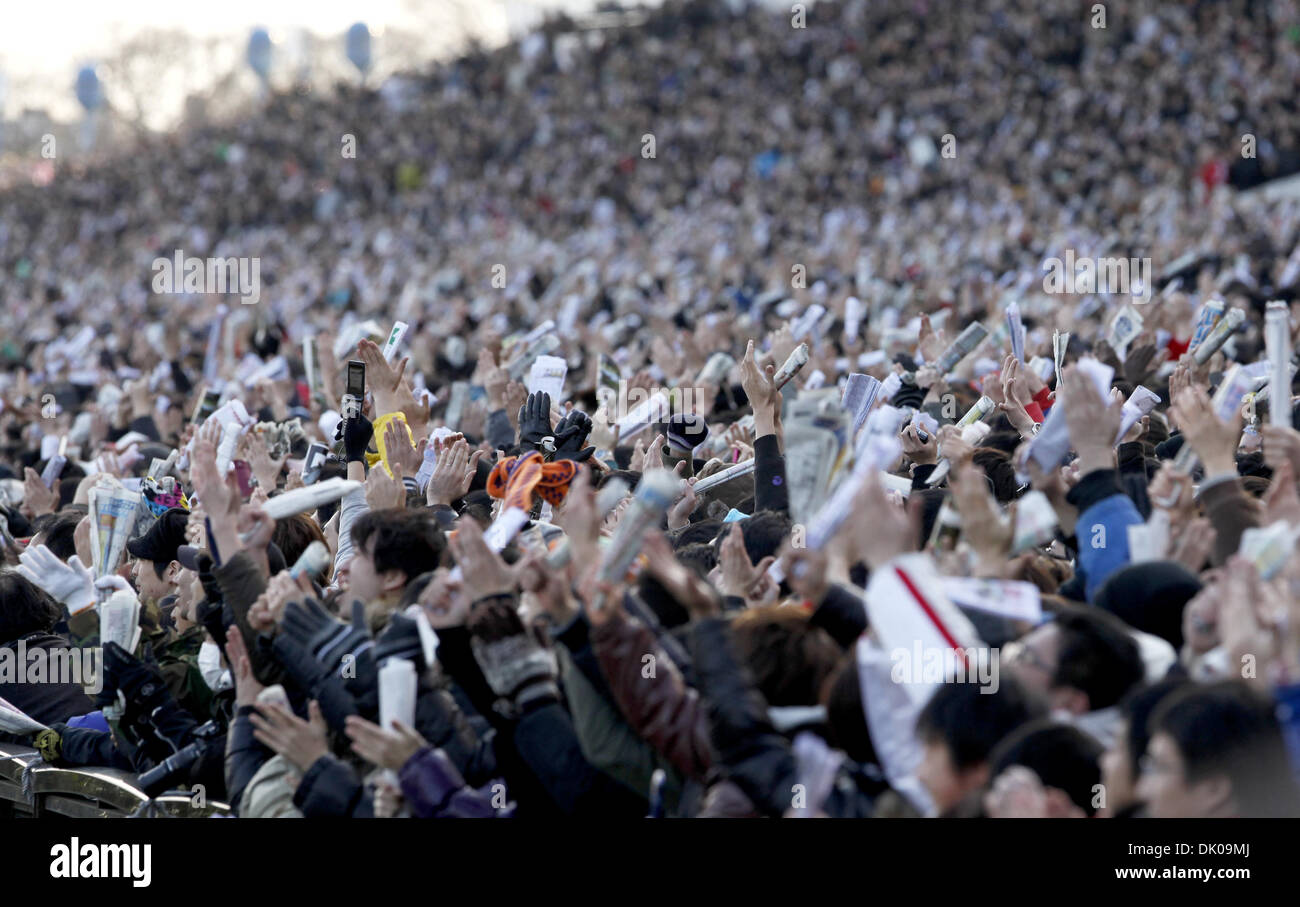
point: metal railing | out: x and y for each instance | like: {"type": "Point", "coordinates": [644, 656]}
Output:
{"type": "Point", "coordinates": [29, 787]}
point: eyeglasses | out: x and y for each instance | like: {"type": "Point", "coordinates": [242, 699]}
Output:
{"type": "Point", "coordinates": [1019, 653]}
{"type": "Point", "coordinates": [1150, 765]}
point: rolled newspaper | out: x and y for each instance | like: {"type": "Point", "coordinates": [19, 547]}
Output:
{"type": "Point", "coordinates": [1277, 342]}
{"type": "Point", "coordinates": [726, 475]}
{"type": "Point", "coordinates": [716, 369]}
{"type": "Point", "coordinates": [646, 413]}
{"type": "Point", "coordinates": [1016, 328]}
{"type": "Point", "coordinates": [309, 497]}
{"type": "Point", "coordinates": [312, 561]}
{"type": "Point", "coordinates": [966, 342]}
{"type": "Point", "coordinates": [797, 360]}
{"type": "Point", "coordinates": [1219, 335]}
{"type": "Point", "coordinates": [112, 511]}
{"type": "Point", "coordinates": [14, 720]}
{"type": "Point", "coordinates": [542, 346]}
{"type": "Point", "coordinates": [1060, 342]}
{"type": "Point", "coordinates": [1206, 319]}
{"type": "Point", "coordinates": [983, 406]}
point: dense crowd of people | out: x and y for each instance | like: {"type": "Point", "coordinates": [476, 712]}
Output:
{"type": "Point", "coordinates": [655, 577]}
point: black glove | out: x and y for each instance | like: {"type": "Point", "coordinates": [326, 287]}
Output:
{"type": "Point", "coordinates": [355, 433]}
{"type": "Point", "coordinates": [514, 665]}
{"type": "Point", "coordinates": [327, 688]}
{"type": "Point", "coordinates": [141, 684]}
{"type": "Point", "coordinates": [535, 421]}
{"type": "Point", "coordinates": [401, 639]}
{"type": "Point", "coordinates": [327, 640]}
{"type": "Point", "coordinates": [570, 434]}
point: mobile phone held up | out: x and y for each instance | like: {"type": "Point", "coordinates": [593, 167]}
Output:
{"type": "Point", "coordinates": [355, 395]}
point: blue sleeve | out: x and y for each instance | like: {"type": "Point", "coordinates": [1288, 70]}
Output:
{"type": "Point", "coordinates": [1288, 716]}
{"type": "Point", "coordinates": [1102, 533]}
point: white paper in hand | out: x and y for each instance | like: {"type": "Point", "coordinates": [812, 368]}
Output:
{"type": "Point", "coordinates": [1013, 599]}
{"type": "Point", "coordinates": [397, 682]}
{"type": "Point", "coordinates": [547, 377]}
{"type": "Point", "coordinates": [119, 620]}
{"type": "Point", "coordinates": [859, 396]}
{"type": "Point", "coordinates": [907, 608]}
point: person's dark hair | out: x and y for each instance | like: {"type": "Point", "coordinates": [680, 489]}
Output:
{"type": "Point", "coordinates": [627, 475]}
{"type": "Point", "coordinates": [1157, 433]}
{"type": "Point", "coordinates": [845, 714]}
{"type": "Point", "coordinates": [1256, 486]}
{"type": "Point", "coordinates": [704, 531]}
{"type": "Point", "coordinates": [477, 505]}
{"type": "Point", "coordinates": [789, 657]}
{"type": "Point", "coordinates": [1046, 572]}
{"type": "Point", "coordinates": [1005, 441]}
{"type": "Point", "coordinates": [24, 607]}
{"type": "Point", "coordinates": [406, 540]}
{"type": "Point", "coordinates": [1150, 596]}
{"type": "Point", "coordinates": [1097, 656]}
{"type": "Point", "coordinates": [699, 557]}
{"type": "Point", "coordinates": [1226, 728]}
{"type": "Point", "coordinates": [1137, 708]}
{"type": "Point", "coordinates": [763, 533]}
{"type": "Point", "coordinates": [294, 534]}
{"type": "Point", "coordinates": [970, 720]}
{"type": "Point", "coordinates": [1252, 464]}
{"type": "Point", "coordinates": [667, 610]}
{"type": "Point", "coordinates": [1061, 755]}
{"type": "Point", "coordinates": [1002, 475]}
{"type": "Point", "coordinates": [57, 531]}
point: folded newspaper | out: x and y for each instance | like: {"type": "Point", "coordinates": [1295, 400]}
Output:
{"type": "Point", "coordinates": [113, 517]}
{"type": "Point", "coordinates": [14, 720]}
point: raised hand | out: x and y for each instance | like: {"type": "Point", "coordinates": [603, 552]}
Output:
{"type": "Point", "coordinates": [384, 492]}
{"type": "Point", "coordinates": [1214, 441]}
{"type": "Point", "coordinates": [453, 473]}
{"type": "Point", "coordinates": [300, 742]}
{"type": "Point", "coordinates": [763, 396]}
{"type": "Point", "coordinates": [388, 749]}
{"type": "Point", "coordinates": [404, 458]}
{"type": "Point", "coordinates": [37, 499]}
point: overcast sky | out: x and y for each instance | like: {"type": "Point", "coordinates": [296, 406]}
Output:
{"type": "Point", "coordinates": [44, 43]}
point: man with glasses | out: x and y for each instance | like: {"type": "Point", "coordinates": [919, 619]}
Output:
{"type": "Point", "coordinates": [1082, 662]}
